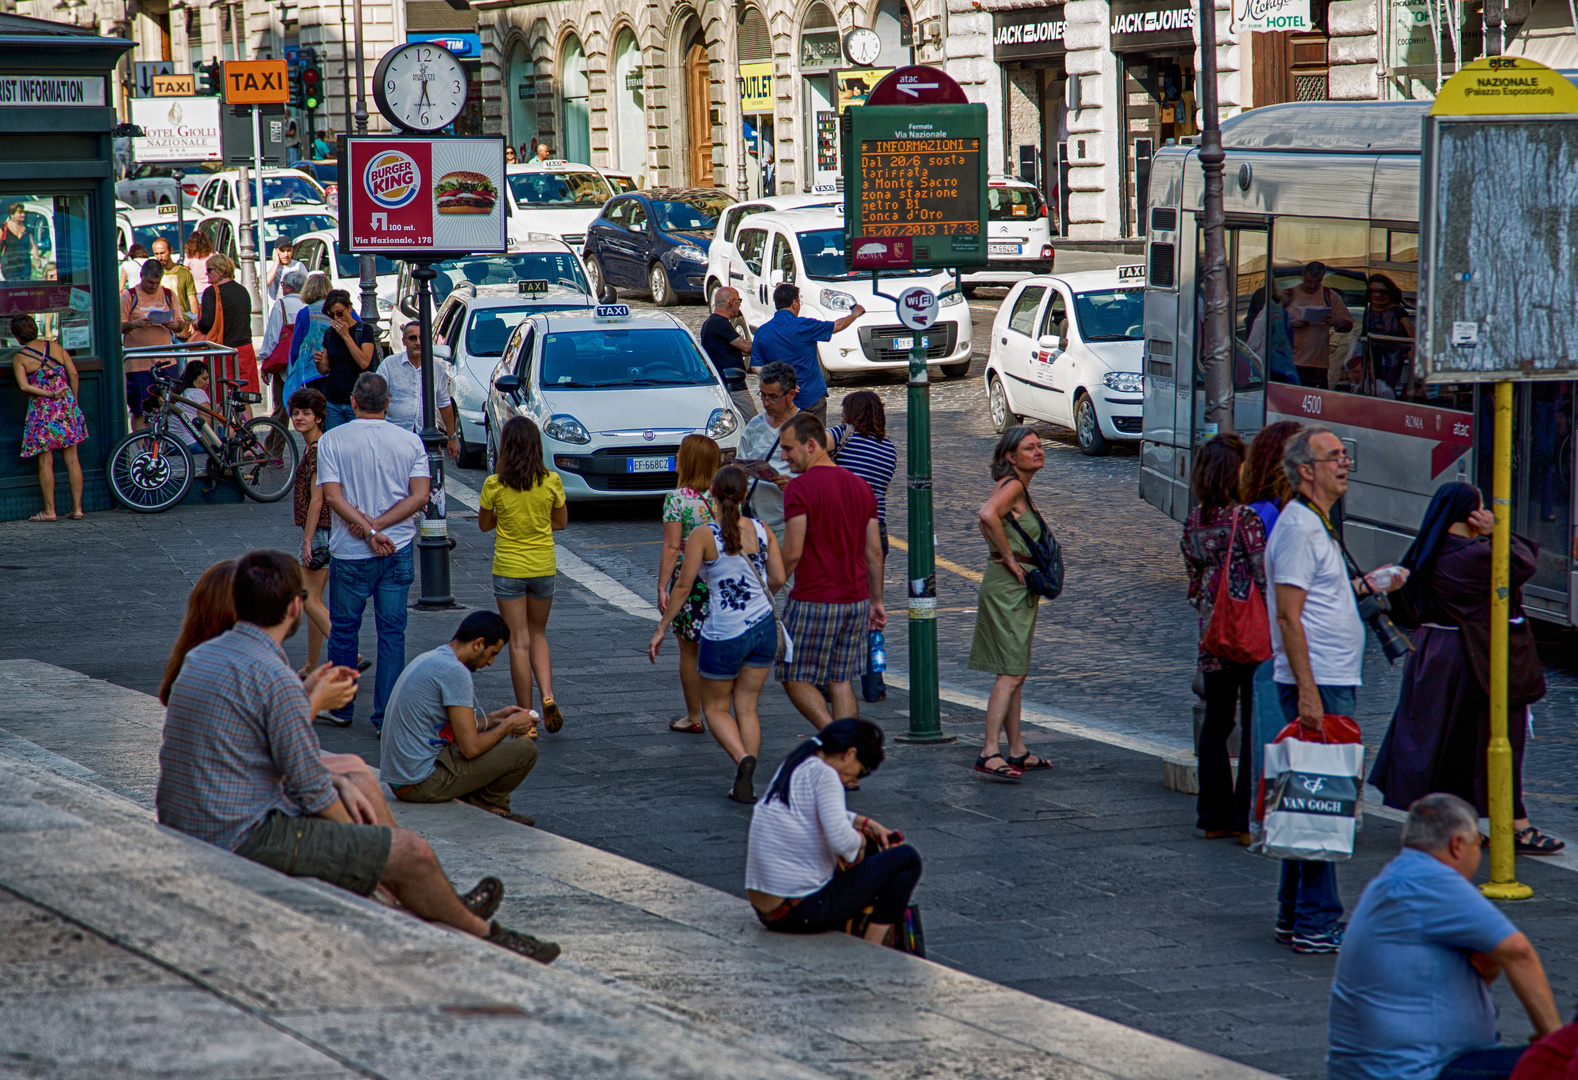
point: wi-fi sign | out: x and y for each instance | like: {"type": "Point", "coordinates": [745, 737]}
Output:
{"type": "Point", "coordinates": [917, 306]}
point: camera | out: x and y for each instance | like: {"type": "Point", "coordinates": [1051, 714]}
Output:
{"type": "Point", "coordinates": [1394, 643]}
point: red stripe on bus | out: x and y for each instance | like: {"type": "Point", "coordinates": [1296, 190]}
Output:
{"type": "Point", "coordinates": [1450, 431]}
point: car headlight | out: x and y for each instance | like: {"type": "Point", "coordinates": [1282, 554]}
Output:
{"type": "Point", "coordinates": [833, 300]}
{"type": "Point", "coordinates": [384, 305]}
{"type": "Point", "coordinates": [691, 254]}
{"type": "Point", "coordinates": [563, 427]}
{"type": "Point", "coordinates": [948, 299]}
{"type": "Point", "coordinates": [1125, 382]}
{"type": "Point", "coordinates": [721, 423]}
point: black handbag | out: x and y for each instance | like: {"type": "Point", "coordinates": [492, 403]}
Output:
{"type": "Point", "coordinates": [1044, 573]}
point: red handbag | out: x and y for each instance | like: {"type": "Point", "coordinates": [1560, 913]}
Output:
{"type": "Point", "coordinates": [1239, 631]}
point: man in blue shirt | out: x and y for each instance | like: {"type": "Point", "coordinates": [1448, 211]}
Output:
{"type": "Point", "coordinates": [791, 339]}
{"type": "Point", "coordinates": [1411, 997]}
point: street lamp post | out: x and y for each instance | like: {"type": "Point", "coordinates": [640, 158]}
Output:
{"type": "Point", "coordinates": [369, 280]}
{"type": "Point", "coordinates": [1217, 337]}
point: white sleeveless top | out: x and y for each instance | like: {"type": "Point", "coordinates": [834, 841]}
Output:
{"type": "Point", "coordinates": [735, 599]}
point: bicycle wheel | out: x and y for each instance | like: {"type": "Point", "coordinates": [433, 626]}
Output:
{"type": "Point", "coordinates": [263, 457]}
{"type": "Point", "coordinates": [149, 472]}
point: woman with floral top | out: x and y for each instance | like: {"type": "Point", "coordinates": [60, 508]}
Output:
{"type": "Point", "coordinates": [686, 507]}
{"type": "Point", "coordinates": [1223, 807]}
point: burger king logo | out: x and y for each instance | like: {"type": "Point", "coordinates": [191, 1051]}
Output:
{"type": "Point", "coordinates": [392, 179]}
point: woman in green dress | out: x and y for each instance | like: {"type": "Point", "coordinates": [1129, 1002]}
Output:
{"type": "Point", "coordinates": [1005, 617]}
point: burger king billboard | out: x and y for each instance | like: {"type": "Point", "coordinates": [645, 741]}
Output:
{"type": "Point", "coordinates": [422, 194]}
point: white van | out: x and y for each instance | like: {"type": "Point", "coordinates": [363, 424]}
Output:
{"type": "Point", "coordinates": [806, 248]}
{"type": "Point", "coordinates": [1018, 235]}
{"type": "Point", "coordinates": [724, 266]}
{"type": "Point", "coordinates": [556, 198]}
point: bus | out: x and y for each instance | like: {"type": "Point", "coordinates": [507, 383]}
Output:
{"type": "Point", "coordinates": [1337, 184]}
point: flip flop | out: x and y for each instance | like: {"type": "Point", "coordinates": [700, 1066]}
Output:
{"type": "Point", "coordinates": [1004, 771]}
{"type": "Point", "coordinates": [41, 519]}
{"type": "Point", "coordinates": [1021, 762]}
{"type": "Point", "coordinates": [687, 727]}
{"type": "Point", "coordinates": [76, 517]}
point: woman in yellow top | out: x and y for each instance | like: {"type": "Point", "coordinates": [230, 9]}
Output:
{"type": "Point", "coordinates": [526, 502]}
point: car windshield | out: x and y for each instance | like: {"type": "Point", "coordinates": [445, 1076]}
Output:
{"type": "Point", "coordinates": [295, 187]}
{"type": "Point", "coordinates": [1014, 204]}
{"type": "Point", "coordinates": [544, 188]}
{"type": "Point", "coordinates": [165, 230]}
{"type": "Point", "coordinates": [1111, 315]}
{"type": "Point", "coordinates": [490, 328]}
{"type": "Point", "coordinates": [293, 225]}
{"type": "Point", "coordinates": [822, 252]}
{"type": "Point", "coordinates": [694, 212]}
{"type": "Point", "coordinates": [621, 184]}
{"type": "Point", "coordinates": [351, 265]}
{"type": "Point", "coordinates": [555, 267]}
{"type": "Point", "coordinates": [622, 359]}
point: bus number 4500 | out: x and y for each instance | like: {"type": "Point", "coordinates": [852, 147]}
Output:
{"type": "Point", "coordinates": [1312, 404]}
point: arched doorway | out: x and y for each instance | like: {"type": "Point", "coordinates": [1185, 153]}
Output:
{"type": "Point", "coordinates": [575, 92]}
{"type": "Point", "coordinates": [896, 28]}
{"type": "Point", "coordinates": [820, 57]}
{"type": "Point", "coordinates": [520, 83]}
{"type": "Point", "coordinates": [755, 82]}
{"type": "Point", "coordinates": [630, 117]}
{"type": "Point", "coordinates": [698, 110]}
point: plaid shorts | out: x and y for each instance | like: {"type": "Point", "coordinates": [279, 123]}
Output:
{"type": "Point", "coordinates": [829, 642]}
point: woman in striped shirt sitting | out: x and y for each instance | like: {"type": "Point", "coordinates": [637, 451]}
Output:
{"type": "Point", "coordinates": [861, 445]}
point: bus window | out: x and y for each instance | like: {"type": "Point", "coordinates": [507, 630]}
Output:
{"type": "Point", "coordinates": [1322, 344]}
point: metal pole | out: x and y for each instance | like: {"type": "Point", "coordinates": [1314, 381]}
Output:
{"type": "Point", "coordinates": [262, 255]}
{"type": "Point", "coordinates": [369, 279]}
{"type": "Point", "coordinates": [1217, 337]}
{"type": "Point", "coordinates": [1503, 883]}
{"type": "Point", "coordinates": [247, 248]}
{"type": "Point", "coordinates": [921, 583]}
{"type": "Point", "coordinates": [432, 545]}
{"type": "Point", "coordinates": [345, 67]}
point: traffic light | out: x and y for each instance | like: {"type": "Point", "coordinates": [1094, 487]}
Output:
{"type": "Point", "coordinates": [210, 78]}
{"type": "Point", "coordinates": [311, 88]}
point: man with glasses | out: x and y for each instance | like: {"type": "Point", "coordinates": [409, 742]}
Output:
{"type": "Point", "coordinates": [404, 376]}
{"type": "Point", "coordinates": [728, 350]}
{"type": "Point", "coordinates": [1318, 641]}
{"type": "Point", "coordinates": [776, 383]}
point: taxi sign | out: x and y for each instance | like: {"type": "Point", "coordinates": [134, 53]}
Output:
{"type": "Point", "coordinates": [553, 163]}
{"type": "Point", "coordinates": [533, 288]}
{"type": "Point", "coordinates": [283, 203]}
{"type": "Point", "coordinates": [168, 208]}
{"type": "Point", "coordinates": [256, 82]}
{"type": "Point", "coordinates": [1132, 272]}
{"type": "Point", "coordinates": [611, 312]}
{"type": "Point", "coordinates": [174, 85]}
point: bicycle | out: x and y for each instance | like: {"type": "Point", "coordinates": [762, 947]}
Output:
{"type": "Point", "coordinates": [152, 470]}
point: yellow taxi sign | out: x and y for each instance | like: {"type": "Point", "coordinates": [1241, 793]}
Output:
{"type": "Point", "coordinates": [256, 82]}
{"type": "Point", "coordinates": [1503, 86]}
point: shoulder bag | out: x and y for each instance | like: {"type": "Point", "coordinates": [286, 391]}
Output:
{"type": "Point", "coordinates": [1044, 572]}
{"type": "Point", "coordinates": [1240, 630]}
{"type": "Point", "coordinates": [785, 651]}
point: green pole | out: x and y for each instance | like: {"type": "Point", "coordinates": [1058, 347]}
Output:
{"type": "Point", "coordinates": [921, 586]}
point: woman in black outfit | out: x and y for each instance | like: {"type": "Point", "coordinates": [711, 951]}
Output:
{"type": "Point", "coordinates": [227, 303]}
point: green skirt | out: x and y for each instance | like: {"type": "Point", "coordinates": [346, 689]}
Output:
{"type": "Point", "coordinates": [1005, 624]}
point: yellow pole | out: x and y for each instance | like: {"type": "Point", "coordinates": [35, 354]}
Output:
{"type": "Point", "coordinates": [1503, 883]}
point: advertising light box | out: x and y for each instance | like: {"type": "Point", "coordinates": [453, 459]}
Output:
{"type": "Point", "coordinates": [417, 195]}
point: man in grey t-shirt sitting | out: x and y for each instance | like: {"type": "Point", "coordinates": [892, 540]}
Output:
{"type": "Point", "coordinates": [439, 745]}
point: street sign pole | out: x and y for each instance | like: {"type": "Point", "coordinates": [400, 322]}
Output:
{"type": "Point", "coordinates": [258, 312]}
{"type": "Point", "coordinates": [921, 586]}
{"type": "Point", "coordinates": [432, 545]}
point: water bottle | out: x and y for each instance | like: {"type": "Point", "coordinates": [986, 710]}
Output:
{"type": "Point", "coordinates": [878, 651]}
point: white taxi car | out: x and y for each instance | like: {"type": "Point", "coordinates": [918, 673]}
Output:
{"type": "Point", "coordinates": [560, 198]}
{"type": "Point", "coordinates": [223, 230]}
{"type": "Point", "coordinates": [724, 265]}
{"type": "Point", "coordinates": [144, 226]}
{"type": "Point", "coordinates": [1018, 235]}
{"type": "Point", "coordinates": [319, 253]}
{"type": "Point", "coordinates": [806, 248]}
{"type": "Point", "coordinates": [281, 187]}
{"type": "Point", "coordinates": [1067, 349]}
{"type": "Point", "coordinates": [613, 394]}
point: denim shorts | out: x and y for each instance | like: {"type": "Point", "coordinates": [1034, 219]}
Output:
{"type": "Point", "coordinates": [756, 648]}
{"type": "Point", "coordinates": [514, 588]}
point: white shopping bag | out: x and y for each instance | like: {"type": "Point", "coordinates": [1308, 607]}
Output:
{"type": "Point", "coordinates": [1312, 797]}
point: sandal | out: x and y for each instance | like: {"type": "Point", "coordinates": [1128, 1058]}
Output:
{"type": "Point", "coordinates": [39, 517]}
{"type": "Point", "coordinates": [484, 898]}
{"type": "Point", "coordinates": [1004, 771]}
{"type": "Point", "coordinates": [552, 718]}
{"type": "Point", "coordinates": [1023, 763]}
{"type": "Point", "coordinates": [688, 727]}
{"type": "Point", "coordinates": [1531, 841]}
{"type": "Point", "coordinates": [330, 718]}
{"type": "Point", "coordinates": [78, 516]}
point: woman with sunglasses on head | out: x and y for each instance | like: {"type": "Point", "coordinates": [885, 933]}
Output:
{"type": "Point", "coordinates": [805, 871]}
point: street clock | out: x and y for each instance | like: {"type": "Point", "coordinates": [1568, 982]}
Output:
{"type": "Point", "coordinates": [862, 46]}
{"type": "Point", "coordinates": [420, 86]}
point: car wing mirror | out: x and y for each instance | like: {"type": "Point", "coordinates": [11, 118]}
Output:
{"type": "Point", "coordinates": [408, 304]}
{"type": "Point", "coordinates": [1051, 343]}
{"type": "Point", "coordinates": [443, 352]}
{"type": "Point", "coordinates": [609, 295]}
{"type": "Point", "coordinates": [508, 384]}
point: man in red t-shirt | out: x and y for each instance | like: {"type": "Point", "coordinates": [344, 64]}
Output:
{"type": "Point", "coordinates": [833, 548]}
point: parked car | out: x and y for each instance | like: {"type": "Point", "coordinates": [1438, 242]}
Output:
{"type": "Point", "coordinates": [655, 241]}
{"type": "Point", "coordinates": [153, 223]}
{"type": "Point", "coordinates": [554, 198]}
{"type": "Point", "coordinates": [806, 248]}
{"type": "Point", "coordinates": [1018, 235]}
{"type": "Point", "coordinates": [724, 265]}
{"type": "Point", "coordinates": [612, 397]}
{"type": "Point", "coordinates": [281, 187]}
{"type": "Point", "coordinates": [319, 252]}
{"type": "Point", "coordinates": [1067, 349]}
{"type": "Point", "coordinates": [620, 182]}
{"type": "Point", "coordinates": [327, 174]}
{"type": "Point", "coordinates": [222, 229]}
{"type": "Point", "coordinates": [153, 185]}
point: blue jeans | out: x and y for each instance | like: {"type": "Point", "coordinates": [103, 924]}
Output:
{"type": "Point", "coordinates": [1495, 1063]}
{"type": "Point", "coordinates": [1307, 899]}
{"type": "Point", "coordinates": [882, 881]}
{"type": "Point", "coordinates": [337, 415]}
{"type": "Point", "coordinates": [386, 580]}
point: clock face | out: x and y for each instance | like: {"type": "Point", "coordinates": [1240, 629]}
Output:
{"type": "Point", "coordinates": [420, 86]}
{"type": "Point", "coordinates": [862, 46]}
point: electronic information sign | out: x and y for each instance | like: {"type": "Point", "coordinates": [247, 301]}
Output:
{"type": "Point", "coordinates": [917, 172]}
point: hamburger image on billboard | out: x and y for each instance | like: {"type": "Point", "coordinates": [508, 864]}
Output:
{"type": "Point", "coordinates": [464, 192]}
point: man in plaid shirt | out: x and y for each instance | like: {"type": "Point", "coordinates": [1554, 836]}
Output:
{"type": "Point", "coordinates": [240, 767]}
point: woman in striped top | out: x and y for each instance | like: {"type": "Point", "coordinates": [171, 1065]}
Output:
{"type": "Point", "coordinates": [861, 445]}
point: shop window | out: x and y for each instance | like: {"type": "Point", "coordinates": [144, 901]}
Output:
{"type": "Point", "coordinates": [1022, 319]}
{"type": "Point", "coordinates": [576, 91]}
{"type": "Point", "coordinates": [750, 246]}
{"type": "Point", "coordinates": [45, 264]}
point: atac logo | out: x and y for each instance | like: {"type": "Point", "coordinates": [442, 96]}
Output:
{"type": "Point", "coordinates": [392, 179]}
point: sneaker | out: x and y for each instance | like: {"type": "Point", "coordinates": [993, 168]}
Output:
{"type": "Point", "coordinates": [1329, 942]}
{"type": "Point", "coordinates": [552, 718]}
{"type": "Point", "coordinates": [544, 952]}
{"type": "Point", "coordinates": [484, 899]}
{"type": "Point", "coordinates": [1284, 933]}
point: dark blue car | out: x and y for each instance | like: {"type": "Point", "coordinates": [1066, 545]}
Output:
{"type": "Point", "coordinates": [654, 241]}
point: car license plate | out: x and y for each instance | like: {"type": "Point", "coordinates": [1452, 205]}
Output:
{"type": "Point", "coordinates": [649, 464]}
{"type": "Point", "coordinates": [903, 343]}
{"type": "Point", "coordinates": [1003, 249]}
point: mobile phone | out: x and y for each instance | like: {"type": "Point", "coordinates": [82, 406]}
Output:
{"type": "Point", "coordinates": [895, 838]}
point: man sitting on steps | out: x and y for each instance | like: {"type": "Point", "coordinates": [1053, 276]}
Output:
{"type": "Point", "coordinates": [439, 745]}
{"type": "Point", "coordinates": [240, 767]}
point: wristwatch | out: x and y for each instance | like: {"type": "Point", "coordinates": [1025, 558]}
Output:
{"type": "Point", "coordinates": [372, 530]}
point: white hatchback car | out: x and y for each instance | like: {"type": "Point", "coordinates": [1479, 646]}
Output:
{"type": "Point", "coordinates": [555, 198]}
{"type": "Point", "coordinates": [806, 248]}
{"type": "Point", "coordinates": [613, 396]}
{"type": "Point", "coordinates": [1067, 349]}
{"type": "Point", "coordinates": [319, 253]}
{"type": "Point", "coordinates": [1018, 235]}
{"type": "Point", "coordinates": [724, 265]}
{"type": "Point", "coordinates": [281, 187]}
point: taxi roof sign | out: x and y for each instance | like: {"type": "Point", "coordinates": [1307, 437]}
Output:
{"type": "Point", "coordinates": [534, 287]}
{"type": "Point", "coordinates": [611, 312]}
{"type": "Point", "coordinates": [1132, 272]}
{"type": "Point", "coordinates": [168, 208]}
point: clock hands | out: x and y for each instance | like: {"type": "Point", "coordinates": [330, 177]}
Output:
{"type": "Point", "coordinates": [424, 99]}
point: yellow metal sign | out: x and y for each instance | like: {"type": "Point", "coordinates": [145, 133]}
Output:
{"type": "Point", "coordinates": [173, 86]}
{"type": "Point", "coordinates": [1505, 85]}
{"type": "Point", "coordinates": [756, 87]}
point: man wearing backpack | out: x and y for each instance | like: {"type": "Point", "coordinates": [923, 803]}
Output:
{"type": "Point", "coordinates": [1315, 312]}
{"type": "Point", "coordinates": [149, 316]}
